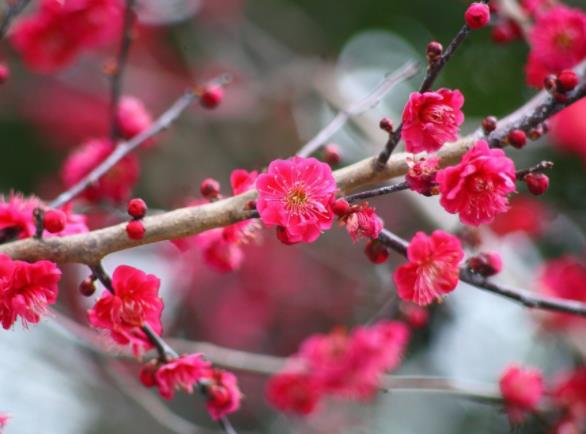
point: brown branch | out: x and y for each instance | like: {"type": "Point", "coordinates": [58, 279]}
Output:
{"type": "Point", "coordinates": [91, 247]}
{"type": "Point", "coordinates": [118, 72]}
{"type": "Point", "coordinates": [14, 8]}
{"type": "Point", "coordinates": [526, 298]}
{"type": "Point", "coordinates": [372, 99]}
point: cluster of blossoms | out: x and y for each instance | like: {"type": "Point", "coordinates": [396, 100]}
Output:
{"type": "Point", "coordinates": [344, 364]}
{"type": "Point", "coordinates": [221, 248]}
{"type": "Point", "coordinates": [432, 270]}
{"type": "Point", "coordinates": [192, 370]}
{"type": "Point", "coordinates": [133, 303]}
{"type": "Point", "coordinates": [26, 290]}
{"type": "Point", "coordinates": [522, 390]}
{"type": "Point", "coordinates": [361, 221]}
{"type": "Point", "coordinates": [53, 37]}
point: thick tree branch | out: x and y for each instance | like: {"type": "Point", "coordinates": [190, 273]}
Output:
{"type": "Point", "coordinates": [526, 298]}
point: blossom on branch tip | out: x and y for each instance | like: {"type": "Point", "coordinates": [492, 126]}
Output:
{"type": "Point", "coordinates": [135, 303]}
{"type": "Point", "coordinates": [432, 118]}
{"type": "Point", "coordinates": [522, 390]}
{"type": "Point", "coordinates": [26, 289]}
{"type": "Point", "coordinates": [478, 187]}
{"type": "Point", "coordinates": [181, 373]}
{"type": "Point", "coordinates": [297, 194]}
{"type": "Point", "coordinates": [115, 185]}
{"type": "Point", "coordinates": [432, 270]}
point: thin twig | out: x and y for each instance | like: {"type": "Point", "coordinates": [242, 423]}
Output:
{"type": "Point", "coordinates": [371, 100]}
{"type": "Point", "coordinates": [433, 71]}
{"type": "Point", "coordinates": [14, 8]}
{"type": "Point", "coordinates": [521, 296]}
{"type": "Point", "coordinates": [387, 189]}
{"type": "Point", "coordinates": [119, 67]}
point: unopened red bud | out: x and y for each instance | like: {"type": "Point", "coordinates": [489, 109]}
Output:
{"type": "Point", "coordinates": [386, 124]}
{"type": "Point", "coordinates": [489, 124]}
{"type": "Point", "coordinates": [137, 208]}
{"type": "Point", "coordinates": [211, 96]}
{"type": "Point", "coordinates": [210, 188]}
{"type": "Point", "coordinates": [341, 207]}
{"type": "Point", "coordinates": [332, 154]}
{"type": "Point", "coordinates": [87, 287]}
{"type": "Point", "coordinates": [54, 220]}
{"type": "Point", "coordinates": [376, 252]}
{"type": "Point", "coordinates": [485, 264]}
{"type": "Point", "coordinates": [135, 230]}
{"type": "Point", "coordinates": [434, 51]}
{"type": "Point", "coordinates": [567, 80]}
{"type": "Point", "coordinates": [517, 138]}
{"type": "Point", "coordinates": [477, 15]}
{"type": "Point", "coordinates": [537, 183]}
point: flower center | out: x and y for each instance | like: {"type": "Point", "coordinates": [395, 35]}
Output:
{"type": "Point", "coordinates": [438, 114]}
{"type": "Point", "coordinates": [481, 185]}
{"type": "Point", "coordinates": [564, 40]}
{"type": "Point", "coordinates": [297, 197]}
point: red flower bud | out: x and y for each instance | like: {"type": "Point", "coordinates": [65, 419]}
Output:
{"type": "Point", "coordinates": [137, 208]}
{"type": "Point", "coordinates": [210, 188]}
{"type": "Point", "coordinates": [135, 230]}
{"type": "Point", "coordinates": [54, 220]}
{"type": "Point", "coordinates": [537, 183]}
{"type": "Point", "coordinates": [211, 96]}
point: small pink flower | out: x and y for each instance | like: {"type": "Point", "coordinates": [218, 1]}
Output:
{"type": "Point", "coordinates": [17, 221]}
{"type": "Point", "coordinates": [116, 185]}
{"type": "Point", "coordinates": [421, 175]}
{"type": "Point", "coordinates": [293, 391]}
{"type": "Point", "coordinates": [297, 194]}
{"type": "Point", "coordinates": [362, 221]}
{"type": "Point", "coordinates": [478, 187]}
{"type": "Point", "coordinates": [222, 391]}
{"type": "Point", "coordinates": [133, 118]}
{"type": "Point", "coordinates": [135, 303]}
{"type": "Point", "coordinates": [181, 373]}
{"type": "Point", "coordinates": [558, 41]}
{"type": "Point", "coordinates": [26, 290]}
{"type": "Point", "coordinates": [522, 389]}
{"type": "Point", "coordinates": [432, 118]}
{"type": "Point", "coordinates": [432, 270]}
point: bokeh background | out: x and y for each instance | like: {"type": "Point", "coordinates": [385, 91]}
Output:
{"type": "Point", "coordinates": [294, 65]}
